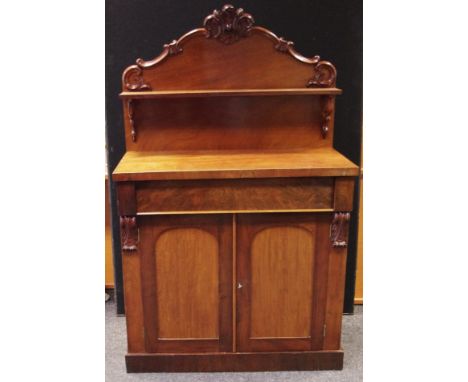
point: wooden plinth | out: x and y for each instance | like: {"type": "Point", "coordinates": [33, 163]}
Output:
{"type": "Point", "coordinates": [210, 362]}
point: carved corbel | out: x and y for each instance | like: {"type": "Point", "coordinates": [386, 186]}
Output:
{"type": "Point", "coordinates": [128, 233]}
{"type": "Point", "coordinates": [327, 110]}
{"type": "Point", "coordinates": [339, 229]}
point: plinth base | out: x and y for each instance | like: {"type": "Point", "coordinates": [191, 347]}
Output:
{"type": "Point", "coordinates": [213, 362]}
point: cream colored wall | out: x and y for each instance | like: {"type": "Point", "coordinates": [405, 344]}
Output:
{"type": "Point", "coordinates": [108, 247]}
{"type": "Point", "coordinates": [358, 293]}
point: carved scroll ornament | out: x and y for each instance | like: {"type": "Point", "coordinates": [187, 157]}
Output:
{"type": "Point", "coordinates": [339, 229]}
{"type": "Point", "coordinates": [133, 79]}
{"type": "Point", "coordinates": [324, 75]}
{"type": "Point", "coordinates": [128, 233]}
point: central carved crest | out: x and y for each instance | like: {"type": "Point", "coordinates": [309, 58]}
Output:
{"type": "Point", "coordinates": [229, 24]}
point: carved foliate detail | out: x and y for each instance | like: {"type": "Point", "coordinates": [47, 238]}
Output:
{"type": "Point", "coordinates": [339, 229]}
{"type": "Point", "coordinates": [173, 48]}
{"type": "Point", "coordinates": [324, 75]}
{"type": "Point", "coordinates": [283, 45]}
{"type": "Point", "coordinates": [327, 110]}
{"type": "Point", "coordinates": [133, 79]}
{"type": "Point", "coordinates": [128, 233]}
{"type": "Point", "coordinates": [228, 25]}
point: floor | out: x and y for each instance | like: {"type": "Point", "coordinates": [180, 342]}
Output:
{"type": "Point", "coordinates": [116, 348]}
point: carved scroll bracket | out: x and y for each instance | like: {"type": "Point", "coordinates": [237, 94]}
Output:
{"type": "Point", "coordinates": [130, 113]}
{"type": "Point", "coordinates": [133, 79]}
{"type": "Point", "coordinates": [327, 110]}
{"type": "Point", "coordinates": [324, 75]}
{"type": "Point", "coordinates": [339, 229]}
{"type": "Point", "coordinates": [284, 46]}
{"type": "Point", "coordinates": [129, 233]}
{"type": "Point", "coordinates": [228, 25]}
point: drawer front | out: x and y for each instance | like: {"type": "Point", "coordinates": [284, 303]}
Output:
{"type": "Point", "coordinates": [235, 195]}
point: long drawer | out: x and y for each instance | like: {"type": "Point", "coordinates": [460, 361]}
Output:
{"type": "Point", "coordinates": [235, 195]}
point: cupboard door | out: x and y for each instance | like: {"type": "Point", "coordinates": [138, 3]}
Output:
{"type": "Point", "coordinates": [186, 272]}
{"type": "Point", "coordinates": [282, 266]}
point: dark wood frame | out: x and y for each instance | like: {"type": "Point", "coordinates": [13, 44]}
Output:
{"type": "Point", "coordinates": [217, 362]}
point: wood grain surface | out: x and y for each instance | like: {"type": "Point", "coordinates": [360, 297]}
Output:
{"type": "Point", "coordinates": [131, 263]}
{"type": "Point", "coordinates": [227, 123]}
{"type": "Point", "coordinates": [235, 195]}
{"type": "Point", "coordinates": [335, 297]}
{"type": "Point", "coordinates": [126, 198]}
{"type": "Point", "coordinates": [233, 164]}
{"type": "Point", "coordinates": [344, 191]}
{"type": "Point", "coordinates": [288, 287]}
{"type": "Point", "coordinates": [186, 273]}
{"type": "Point", "coordinates": [281, 262]}
{"type": "Point", "coordinates": [187, 284]}
{"type": "Point", "coordinates": [208, 64]}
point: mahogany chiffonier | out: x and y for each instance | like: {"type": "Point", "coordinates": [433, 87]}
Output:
{"type": "Point", "coordinates": [233, 204]}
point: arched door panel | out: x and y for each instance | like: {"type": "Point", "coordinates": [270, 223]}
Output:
{"type": "Point", "coordinates": [282, 266]}
{"type": "Point", "coordinates": [186, 270]}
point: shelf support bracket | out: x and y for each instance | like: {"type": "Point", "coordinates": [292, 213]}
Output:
{"type": "Point", "coordinates": [130, 113]}
{"type": "Point", "coordinates": [327, 110]}
{"type": "Point", "coordinates": [129, 233]}
{"type": "Point", "coordinates": [339, 229]}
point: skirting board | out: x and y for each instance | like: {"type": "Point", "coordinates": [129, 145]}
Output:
{"type": "Point", "coordinates": [213, 362]}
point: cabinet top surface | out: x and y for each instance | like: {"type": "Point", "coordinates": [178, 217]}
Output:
{"type": "Point", "coordinates": [142, 165]}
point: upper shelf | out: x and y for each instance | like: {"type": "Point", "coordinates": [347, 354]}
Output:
{"type": "Point", "coordinates": [230, 92]}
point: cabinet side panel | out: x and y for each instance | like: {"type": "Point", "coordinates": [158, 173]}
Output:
{"type": "Point", "coordinates": [319, 303]}
{"type": "Point", "coordinates": [344, 189]}
{"type": "Point", "coordinates": [187, 284]}
{"type": "Point", "coordinates": [335, 297]}
{"type": "Point", "coordinates": [281, 282]}
{"type": "Point", "coordinates": [133, 302]}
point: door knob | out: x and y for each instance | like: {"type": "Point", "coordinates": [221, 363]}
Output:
{"type": "Point", "coordinates": [239, 285]}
